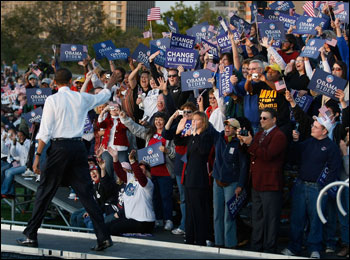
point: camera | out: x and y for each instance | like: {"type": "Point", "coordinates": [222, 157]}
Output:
{"type": "Point", "coordinates": [243, 132]}
{"type": "Point", "coordinates": [145, 118]}
{"type": "Point", "coordinates": [210, 56]}
{"type": "Point", "coordinates": [181, 112]}
{"type": "Point", "coordinates": [112, 108]}
{"type": "Point", "coordinates": [108, 75]}
{"type": "Point", "coordinates": [255, 76]}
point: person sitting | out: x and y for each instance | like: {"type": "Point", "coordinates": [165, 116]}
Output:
{"type": "Point", "coordinates": [138, 196]}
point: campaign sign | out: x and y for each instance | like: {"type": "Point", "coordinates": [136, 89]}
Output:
{"type": "Point", "coordinates": [160, 58]}
{"type": "Point", "coordinates": [224, 41]}
{"type": "Point", "coordinates": [33, 116]}
{"type": "Point", "coordinates": [307, 24]}
{"type": "Point", "coordinates": [287, 20]}
{"type": "Point", "coordinates": [151, 154]}
{"type": "Point", "coordinates": [273, 14]}
{"type": "Point", "coordinates": [240, 24]}
{"type": "Point", "coordinates": [184, 57]}
{"type": "Point", "coordinates": [182, 41]}
{"type": "Point", "coordinates": [187, 127]}
{"type": "Point", "coordinates": [173, 26]}
{"type": "Point", "coordinates": [101, 47]}
{"type": "Point", "coordinates": [191, 80]}
{"type": "Point", "coordinates": [254, 13]}
{"type": "Point", "coordinates": [141, 54]}
{"type": "Point", "coordinates": [303, 102]}
{"type": "Point", "coordinates": [272, 29]}
{"type": "Point", "coordinates": [235, 204]}
{"type": "Point", "coordinates": [88, 127]}
{"type": "Point", "coordinates": [225, 85]}
{"type": "Point", "coordinates": [162, 43]}
{"type": "Point", "coordinates": [213, 49]}
{"type": "Point", "coordinates": [311, 50]}
{"type": "Point", "coordinates": [344, 15]}
{"type": "Point", "coordinates": [37, 96]}
{"type": "Point", "coordinates": [118, 54]}
{"type": "Point", "coordinates": [282, 5]}
{"type": "Point", "coordinates": [200, 31]}
{"type": "Point", "coordinates": [326, 83]}
{"type": "Point", "coordinates": [72, 52]}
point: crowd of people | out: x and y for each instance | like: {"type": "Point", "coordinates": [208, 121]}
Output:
{"type": "Point", "coordinates": [214, 147]}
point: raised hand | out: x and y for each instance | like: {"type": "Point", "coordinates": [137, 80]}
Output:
{"type": "Point", "coordinates": [132, 156]}
{"type": "Point", "coordinates": [113, 153]}
{"type": "Point", "coordinates": [181, 125]}
{"type": "Point", "coordinates": [122, 114]}
{"type": "Point", "coordinates": [180, 69]}
{"type": "Point", "coordinates": [234, 79]}
{"type": "Point", "coordinates": [152, 57]}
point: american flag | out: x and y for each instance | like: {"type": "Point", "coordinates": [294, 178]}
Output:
{"type": "Point", "coordinates": [330, 3]}
{"type": "Point", "coordinates": [85, 49]}
{"type": "Point", "coordinates": [147, 34]}
{"type": "Point", "coordinates": [211, 66]}
{"type": "Point", "coordinates": [340, 9]}
{"type": "Point", "coordinates": [166, 34]}
{"type": "Point", "coordinates": [332, 42]}
{"type": "Point", "coordinates": [309, 8]}
{"type": "Point", "coordinates": [153, 14]}
{"type": "Point", "coordinates": [280, 85]}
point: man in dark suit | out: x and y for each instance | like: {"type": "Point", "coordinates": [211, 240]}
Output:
{"type": "Point", "coordinates": [267, 153]}
{"type": "Point", "coordinates": [63, 123]}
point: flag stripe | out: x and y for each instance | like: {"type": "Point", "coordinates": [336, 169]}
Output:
{"type": "Point", "coordinates": [309, 8]}
{"type": "Point", "coordinates": [153, 14]}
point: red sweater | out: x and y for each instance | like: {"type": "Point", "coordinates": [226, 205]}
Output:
{"type": "Point", "coordinates": [120, 137]}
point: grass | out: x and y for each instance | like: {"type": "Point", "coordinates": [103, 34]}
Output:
{"type": "Point", "coordinates": [24, 216]}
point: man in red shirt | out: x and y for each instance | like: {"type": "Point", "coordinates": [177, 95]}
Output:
{"type": "Point", "coordinates": [287, 50]}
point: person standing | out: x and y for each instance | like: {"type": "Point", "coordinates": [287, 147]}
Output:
{"type": "Point", "coordinates": [63, 123]}
{"type": "Point", "coordinates": [267, 153]}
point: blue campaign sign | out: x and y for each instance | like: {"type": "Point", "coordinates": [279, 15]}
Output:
{"type": "Point", "coordinates": [37, 96]}
{"type": "Point", "coordinates": [240, 24]}
{"type": "Point", "coordinates": [187, 127]}
{"type": "Point", "coordinates": [72, 52]}
{"type": "Point", "coordinates": [303, 102]}
{"type": "Point", "coordinates": [272, 29]}
{"type": "Point", "coordinates": [287, 20]}
{"type": "Point", "coordinates": [273, 14]}
{"type": "Point", "coordinates": [282, 5]}
{"type": "Point", "coordinates": [33, 116]}
{"type": "Point", "coordinates": [161, 57]}
{"type": "Point", "coordinates": [118, 54]}
{"type": "Point", "coordinates": [326, 84]}
{"type": "Point", "coordinates": [344, 15]}
{"type": "Point", "coordinates": [101, 47]}
{"type": "Point", "coordinates": [213, 49]}
{"type": "Point", "coordinates": [311, 49]}
{"type": "Point", "coordinates": [184, 57]}
{"type": "Point", "coordinates": [141, 54]}
{"type": "Point", "coordinates": [235, 204]}
{"type": "Point", "coordinates": [163, 43]}
{"type": "Point", "coordinates": [254, 13]}
{"type": "Point", "coordinates": [182, 41]}
{"type": "Point", "coordinates": [307, 24]}
{"type": "Point", "coordinates": [173, 26]}
{"type": "Point", "coordinates": [191, 80]}
{"type": "Point", "coordinates": [151, 154]}
{"type": "Point", "coordinates": [200, 31]}
{"type": "Point", "coordinates": [225, 85]}
{"type": "Point", "coordinates": [88, 126]}
{"type": "Point", "coordinates": [224, 41]}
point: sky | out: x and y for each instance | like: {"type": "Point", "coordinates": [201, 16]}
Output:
{"type": "Point", "coordinates": [165, 5]}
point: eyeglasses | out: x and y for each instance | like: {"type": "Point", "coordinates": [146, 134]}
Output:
{"type": "Point", "coordinates": [172, 76]}
{"type": "Point", "coordinates": [264, 118]}
{"type": "Point", "coordinates": [337, 69]}
{"type": "Point", "coordinates": [299, 61]}
{"type": "Point", "coordinates": [187, 112]}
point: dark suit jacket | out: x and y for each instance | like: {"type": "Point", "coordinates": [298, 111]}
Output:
{"type": "Point", "coordinates": [267, 159]}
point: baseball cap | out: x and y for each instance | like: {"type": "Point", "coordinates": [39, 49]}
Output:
{"type": "Point", "coordinates": [326, 122]}
{"type": "Point", "coordinates": [275, 67]}
{"type": "Point", "coordinates": [46, 80]}
{"type": "Point", "coordinates": [32, 76]}
{"type": "Point", "coordinates": [232, 122]}
{"type": "Point", "coordinates": [80, 79]}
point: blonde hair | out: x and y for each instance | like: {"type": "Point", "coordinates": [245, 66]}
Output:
{"type": "Point", "coordinates": [204, 117]}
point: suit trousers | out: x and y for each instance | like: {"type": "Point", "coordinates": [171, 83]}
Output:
{"type": "Point", "coordinates": [66, 161]}
{"type": "Point", "coordinates": [266, 211]}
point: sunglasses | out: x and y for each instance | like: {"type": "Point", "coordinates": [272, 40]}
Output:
{"type": "Point", "coordinates": [336, 69]}
{"type": "Point", "coordinates": [264, 118]}
{"type": "Point", "coordinates": [187, 112]}
{"type": "Point", "coordinates": [172, 76]}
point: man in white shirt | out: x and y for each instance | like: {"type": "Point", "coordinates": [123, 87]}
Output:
{"type": "Point", "coordinates": [62, 122]}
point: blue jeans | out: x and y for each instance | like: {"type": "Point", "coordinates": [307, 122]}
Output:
{"type": "Point", "coordinates": [304, 197]}
{"type": "Point", "coordinates": [76, 219]}
{"type": "Point", "coordinates": [224, 226]}
{"type": "Point", "coordinates": [4, 166]}
{"type": "Point", "coordinates": [7, 186]}
{"type": "Point", "coordinates": [182, 202]}
{"type": "Point", "coordinates": [330, 228]}
{"type": "Point", "coordinates": [344, 220]}
{"type": "Point", "coordinates": [163, 197]}
{"type": "Point", "coordinates": [122, 157]}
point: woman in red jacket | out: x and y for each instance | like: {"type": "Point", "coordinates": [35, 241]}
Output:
{"type": "Point", "coordinates": [114, 136]}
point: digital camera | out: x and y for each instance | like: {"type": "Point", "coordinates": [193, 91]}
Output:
{"type": "Point", "coordinates": [243, 132]}
{"type": "Point", "coordinates": [255, 76]}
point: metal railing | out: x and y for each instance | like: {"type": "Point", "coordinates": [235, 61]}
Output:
{"type": "Point", "coordinates": [51, 226]}
{"type": "Point", "coordinates": [342, 184]}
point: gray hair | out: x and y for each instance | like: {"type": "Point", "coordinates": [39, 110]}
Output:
{"type": "Point", "coordinates": [261, 64]}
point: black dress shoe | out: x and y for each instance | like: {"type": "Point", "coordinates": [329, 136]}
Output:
{"type": "Point", "coordinates": [27, 242]}
{"type": "Point", "coordinates": [103, 245]}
